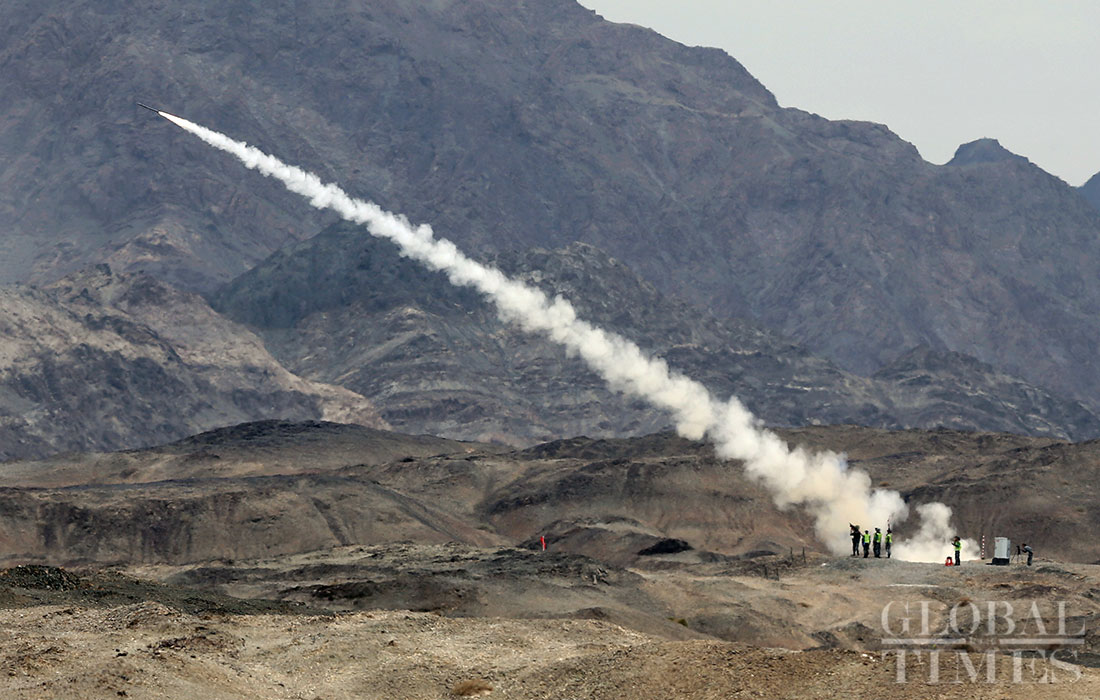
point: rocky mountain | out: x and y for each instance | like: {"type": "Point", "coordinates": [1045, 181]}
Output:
{"type": "Point", "coordinates": [953, 390]}
{"type": "Point", "coordinates": [100, 361]}
{"type": "Point", "coordinates": [345, 308]}
{"type": "Point", "coordinates": [513, 125]}
{"type": "Point", "coordinates": [103, 360]}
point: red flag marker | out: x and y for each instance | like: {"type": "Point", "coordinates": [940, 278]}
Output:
{"type": "Point", "coordinates": [543, 541]}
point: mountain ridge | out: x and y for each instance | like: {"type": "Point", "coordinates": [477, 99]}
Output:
{"type": "Point", "coordinates": [346, 308]}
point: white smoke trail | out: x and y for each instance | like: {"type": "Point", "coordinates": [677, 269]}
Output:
{"type": "Point", "coordinates": [822, 482]}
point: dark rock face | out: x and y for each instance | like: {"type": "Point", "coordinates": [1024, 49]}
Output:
{"type": "Point", "coordinates": [346, 308]}
{"type": "Point", "coordinates": [514, 125]}
{"type": "Point", "coordinates": [669, 545]}
{"type": "Point", "coordinates": [1091, 190]}
{"type": "Point", "coordinates": [956, 391]}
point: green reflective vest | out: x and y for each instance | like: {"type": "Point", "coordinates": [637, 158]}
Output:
{"type": "Point", "coordinates": [958, 545]}
{"type": "Point", "coordinates": [866, 538]}
{"type": "Point", "coordinates": [878, 537]}
{"type": "Point", "coordinates": [889, 538]}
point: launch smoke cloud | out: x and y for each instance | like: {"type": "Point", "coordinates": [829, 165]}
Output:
{"type": "Point", "coordinates": [821, 482]}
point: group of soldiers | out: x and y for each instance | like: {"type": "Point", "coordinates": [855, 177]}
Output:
{"type": "Point", "coordinates": [874, 543]}
{"type": "Point", "coordinates": [870, 541]}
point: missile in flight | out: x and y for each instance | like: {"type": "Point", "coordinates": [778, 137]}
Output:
{"type": "Point", "coordinates": [148, 107]}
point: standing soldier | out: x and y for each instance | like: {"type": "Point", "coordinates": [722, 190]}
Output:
{"type": "Point", "coordinates": [866, 543]}
{"type": "Point", "coordinates": [889, 541]}
{"type": "Point", "coordinates": [958, 550]}
{"type": "Point", "coordinates": [855, 539]}
{"type": "Point", "coordinates": [1027, 548]}
{"type": "Point", "coordinates": [878, 543]}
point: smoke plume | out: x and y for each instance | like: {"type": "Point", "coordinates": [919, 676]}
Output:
{"type": "Point", "coordinates": [821, 482]}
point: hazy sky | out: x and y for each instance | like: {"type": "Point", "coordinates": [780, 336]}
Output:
{"type": "Point", "coordinates": [939, 73]}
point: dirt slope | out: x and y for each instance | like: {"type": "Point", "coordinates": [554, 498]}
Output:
{"type": "Point", "coordinates": [279, 488]}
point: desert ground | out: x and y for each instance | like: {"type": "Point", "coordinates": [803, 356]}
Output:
{"type": "Point", "coordinates": [319, 561]}
{"type": "Point", "coordinates": [446, 621]}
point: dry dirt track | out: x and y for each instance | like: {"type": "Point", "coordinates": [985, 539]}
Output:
{"type": "Point", "coordinates": [150, 651]}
